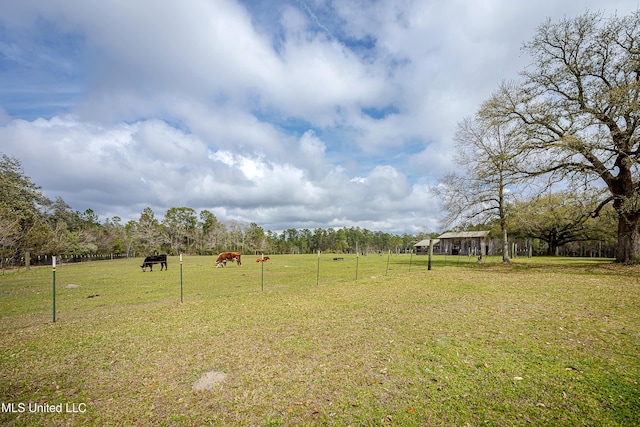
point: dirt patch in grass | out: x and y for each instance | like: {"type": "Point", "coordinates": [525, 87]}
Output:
{"type": "Point", "coordinates": [209, 380]}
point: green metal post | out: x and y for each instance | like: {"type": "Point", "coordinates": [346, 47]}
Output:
{"type": "Point", "coordinates": [54, 287]}
{"type": "Point", "coordinates": [410, 260]}
{"type": "Point", "coordinates": [388, 258]}
{"type": "Point", "coordinates": [318, 274]}
{"type": "Point", "coordinates": [357, 254]}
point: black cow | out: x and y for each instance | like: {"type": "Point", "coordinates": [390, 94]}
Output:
{"type": "Point", "coordinates": [155, 259]}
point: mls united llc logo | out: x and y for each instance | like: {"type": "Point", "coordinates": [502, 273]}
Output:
{"type": "Point", "coordinates": [31, 407]}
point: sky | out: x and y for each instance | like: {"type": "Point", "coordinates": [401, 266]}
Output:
{"type": "Point", "coordinates": [290, 114]}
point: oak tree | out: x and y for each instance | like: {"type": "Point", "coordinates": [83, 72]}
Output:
{"type": "Point", "coordinates": [580, 105]}
{"type": "Point", "coordinates": [561, 218]}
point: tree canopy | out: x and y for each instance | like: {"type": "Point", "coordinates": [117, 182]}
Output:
{"type": "Point", "coordinates": [578, 103]}
{"type": "Point", "coordinates": [561, 218]}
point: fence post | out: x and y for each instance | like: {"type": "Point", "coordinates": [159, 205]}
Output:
{"type": "Point", "coordinates": [318, 273]}
{"type": "Point", "coordinates": [262, 262]}
{"type": "Point", "coordinates": [180, 278]}
{"type": "Point", "coordinates": [388, 258]}
{"type": "Point", "coordinates": [53, 265]}
{"type": "Point", "coordinates": [410, 259]}
{"type": "Point", "coordinates": [356, 260]}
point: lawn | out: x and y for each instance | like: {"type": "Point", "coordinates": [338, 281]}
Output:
{"type": "Point", "coordinates": [297, 341]}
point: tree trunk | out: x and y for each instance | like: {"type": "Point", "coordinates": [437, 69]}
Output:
{"type": "Point", "coordinates": [505, 245]}
{"type": "Point", "coordinates": [628, 249]}
{"type": "Point", "coordinates": [551, 249]}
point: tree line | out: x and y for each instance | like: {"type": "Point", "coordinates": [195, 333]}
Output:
{"type": "Point", "coordinates": [31, 223]}
{"type": "Point", "coordinates": [182, 230]}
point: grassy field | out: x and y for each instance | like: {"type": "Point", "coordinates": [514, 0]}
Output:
{"type": "Point", "coordinates": [540, 341]}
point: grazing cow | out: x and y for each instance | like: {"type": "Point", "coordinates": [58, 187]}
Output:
{"type": "Point", "coordinates": [265, 259]}
{"type": "Point", "coordinates": [228, 256]}
{"type": "Point", "coordinates": [155, 259]}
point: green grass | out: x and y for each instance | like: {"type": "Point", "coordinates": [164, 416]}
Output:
{"type": "Point", "coordinates": [540, 341]}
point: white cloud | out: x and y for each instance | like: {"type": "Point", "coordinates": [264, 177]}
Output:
{"type": "Point", "coordinates": [285, 114]}
{"type": "Point", "coordinates": [149, 163]}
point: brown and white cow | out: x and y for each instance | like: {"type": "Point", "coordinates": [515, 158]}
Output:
{"type": "Point", "coordinates": [228, 256]}
{"type": "Point", "coordinates": [265, 259]}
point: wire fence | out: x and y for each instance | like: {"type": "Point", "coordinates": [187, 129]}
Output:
{"type": "Point", "coordinates": [197, 278]}
{"type": "Point", "coordinates": [43, 260]}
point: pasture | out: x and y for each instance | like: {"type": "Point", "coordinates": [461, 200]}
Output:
{"type": "Point", "coordinates": [541, 341]}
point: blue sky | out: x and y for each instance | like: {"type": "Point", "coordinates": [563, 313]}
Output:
{"type": "Point", "coordinates": [289, 114]}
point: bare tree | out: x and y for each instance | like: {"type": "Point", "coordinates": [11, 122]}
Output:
{"type": "Point", "coordinates": [236, 233]}
{"type": "Point", "coordinates": [579, 104]}
{"type": "Point", "coordinates": [488, 152]}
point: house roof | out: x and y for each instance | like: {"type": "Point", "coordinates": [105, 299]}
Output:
{"type": "Point", "coordinates": [425, 242]}
{"type": "Point", "coordinates": [464, 235]}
